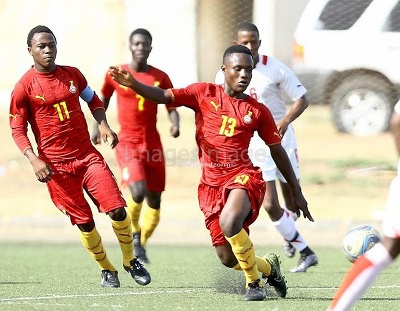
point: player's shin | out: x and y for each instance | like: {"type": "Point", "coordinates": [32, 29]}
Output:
{"type": "Point", "coordinates": [123, 232]}
{"type": "Point", "coordinates": [93, 244]}
{"type": "Point", "coordinates": [151, 218]}
{"type": "Point", "coordinates": [243, 249]}
{"type": "Point", "coordinates": [134, 208]}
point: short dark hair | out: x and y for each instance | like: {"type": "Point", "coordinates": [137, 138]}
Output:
{"type": "Point", "coordinates": [247, 26]}
{"type": "Point", "coordinates": [237, 48]}
{"type": "Point", "coordinates": [141, 31]}
{"type": "Point", "coordinates": [38, 29]}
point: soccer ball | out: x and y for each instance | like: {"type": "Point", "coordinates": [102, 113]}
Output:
{"type": "Point", "coordinates": [358, 240]}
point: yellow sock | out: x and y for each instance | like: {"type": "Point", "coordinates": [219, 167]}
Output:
{"type": "Point", "coordinates": [243, 249]}
{"type": "Point", "coordinates": [262, 265]}
{"type": "Point", "coordinates": [133, 208]}
{"type": "Point", "coordinates": [92, 242]}
{"type": "Point", "coordinates": [123, 232]}
{"type": "Point", "coordinates": [151, 218]}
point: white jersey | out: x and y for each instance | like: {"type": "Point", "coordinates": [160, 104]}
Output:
{"type": "Point", "coordinates": [272, 80]}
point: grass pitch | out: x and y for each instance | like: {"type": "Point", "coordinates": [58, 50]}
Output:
{"type": "Point", "coordinates": [64, 277]}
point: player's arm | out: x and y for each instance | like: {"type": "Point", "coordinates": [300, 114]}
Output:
{"type": "Point", "coordinates": [297, 108]}
{"type": "Point", "coordinates": [282, 162]}
{"type": "Point", "coordinates": [153, 93]}
{"type": "Point", "coordinates": [95, 136]}
{"type": "Point", "coordinates": [174, 118]}
{"type": "Point", "coordinates": [19, 129]}
{"type": "Point", "coordinates": [96, 106]}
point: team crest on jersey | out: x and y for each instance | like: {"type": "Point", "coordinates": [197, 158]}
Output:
{"type": "Point", "coordinates": [247, 118]}
{"type": "Point", "coordinates": [72, 87]}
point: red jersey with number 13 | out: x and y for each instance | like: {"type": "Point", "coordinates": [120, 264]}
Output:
{"type": "Point", "coordinates": [224, 127]}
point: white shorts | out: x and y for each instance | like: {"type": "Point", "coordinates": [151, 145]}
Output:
{"type": "Point", "coordinates": [391, 220]}
{"type": "Point", "coordinates": [260, 155]}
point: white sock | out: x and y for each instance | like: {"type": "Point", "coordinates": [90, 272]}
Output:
{"type": "Point", "coordinates": [287, 228]}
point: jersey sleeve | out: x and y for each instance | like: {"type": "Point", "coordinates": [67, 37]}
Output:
{"type": "Point", "coordinates": [94, 103]}
{"type": "Point", "coordinates": [397, 107]}
{"type": "Point", "coordinates": [219, 78]}
{"type": "Point", "coordinates": [107, 88]}
{"type": "Point", "coordinates": [267, 129]}
{"type": "Point", "coordinates": [189, 96]}
{"type": "Point", "coordinates": [165, 84]}
{"type": "Point", "coordinates": [291, 84]}
{"type": "Point", "coordinates": [19, 118]}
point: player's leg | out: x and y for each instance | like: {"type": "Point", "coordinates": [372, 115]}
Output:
{"type": "Point", "coordinates": [307, 256]}
{"type": "Point", "coordinates": [150, 220]}
{"type": "Point", "coordinates": [155, 177]}
{"type": "Point", "coordinates": [66, 193]}
{"type": "Point", "coordinates": [101, 186]}
{"type": "Point", "coordinates": [363, 274]}
{"type": "Point", "coordinates": [130, 161]}
{"type": "Point", "coordinates": [366, 269]}
{"type": "Point", "coordinates": [133, 175]}
{"type": "Point", "coordinates": [134, 208]}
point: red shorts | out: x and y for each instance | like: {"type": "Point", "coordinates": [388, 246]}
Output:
{"type": "Point", "coordinates": [142, 164]}
{"type": "Point", "coordinates": [212, 200]}
{"type": "Point", "coordinates": [90, 173]}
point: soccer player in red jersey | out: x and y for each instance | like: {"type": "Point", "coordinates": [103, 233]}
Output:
{"type": "Point", "coordinates": [47, 97]}
{"type": "Point", "coordinates": [231, 189]}
{"type": "Point", "coordinates": [139, 152]}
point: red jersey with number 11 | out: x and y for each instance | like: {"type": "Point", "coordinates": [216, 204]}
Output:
{"type": "Point", "coordinates": [49, 102]}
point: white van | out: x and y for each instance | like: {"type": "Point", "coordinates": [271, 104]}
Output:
{"type": "Point", "coordinates": [347, 54]}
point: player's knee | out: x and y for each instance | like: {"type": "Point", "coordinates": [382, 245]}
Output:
{"type": "Point", "coordinates": [154, 200]}
{"type": "Point", "coordinates": [119, 214]}
{"type": "Point", "coordinates": [87, 227]}
{"type": "Point", "coordinates": [228, 259]}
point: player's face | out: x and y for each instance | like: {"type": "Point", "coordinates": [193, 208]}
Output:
{"type": "Point", "coordinates": [140, 48]}
{"type": "Point", "coordinates": [250, 40]}
{"type": "Point", "coordinates": [238, 72]}
{"type": "Point", "coordinates": [43, 51]}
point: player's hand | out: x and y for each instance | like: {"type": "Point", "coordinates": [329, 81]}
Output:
{"type": "Point", "coordinates": [109, 137]}
{"type": "Point", "coordinates": [282, 127]}
{"type": "Point", "coordinates": [174, 131]}
{"type": "Point", "coordinates": [121, 75]}
{"type": "Point", "coordinates": [42, 170]}
{"type": "Point", "coordinates": [301, 205]}
{"type": "Point", "coordinates": [95, 134]}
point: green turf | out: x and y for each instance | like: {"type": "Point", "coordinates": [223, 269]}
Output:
{"type": "Point", "coordinates": [63, 277]}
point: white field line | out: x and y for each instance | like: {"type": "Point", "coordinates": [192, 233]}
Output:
{"type": "Point", "coordinates": [157, 292]}
{"type": "Point", "coordinates": [99, 295]}
{"type": "Point", "coordinates": [330, 288]}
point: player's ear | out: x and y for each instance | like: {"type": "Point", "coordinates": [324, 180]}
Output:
{"type": "Point", "coordinates": [30, 50]}
{"type": "Point", "coordinates": [223, 69]}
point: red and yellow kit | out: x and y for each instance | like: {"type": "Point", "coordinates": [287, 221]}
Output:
{"type": "Point", "coordinates": [224, 127]}
{"type": "Point", "coordinates": [139, 153]}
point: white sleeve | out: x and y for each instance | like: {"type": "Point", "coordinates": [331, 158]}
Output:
{"type": "Point", "coordinates": [397, 107]}
{"type": "Point", "coordinates": [219, 78]}
{"type": "Point", "coordinates": [291, 84]}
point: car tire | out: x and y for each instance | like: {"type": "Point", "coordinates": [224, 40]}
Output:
{"type": "Point", "coordinates": [362, 105]}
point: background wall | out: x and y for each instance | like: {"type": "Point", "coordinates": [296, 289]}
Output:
{"type": "Point", "coordinates": [189, 36]}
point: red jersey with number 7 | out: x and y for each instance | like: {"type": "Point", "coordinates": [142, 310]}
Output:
{"type": "Point", "coordinates": [49, 102]}
{"type": "Point", "coordinates": [137, 116]}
